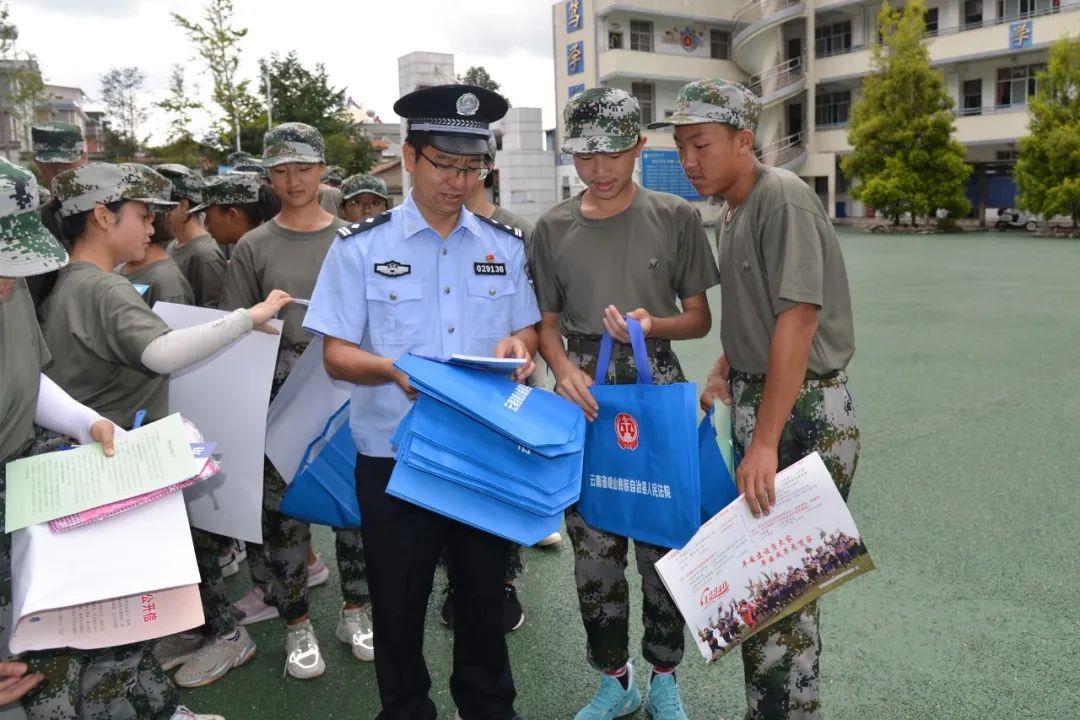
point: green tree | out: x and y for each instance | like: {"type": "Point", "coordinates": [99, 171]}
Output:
{"type": "Point", "coordinates": [1048, 171]}
{"type": "Point", "coordinates": [121, 92]}
{"type": "Point", "coordinates": [179, 105]}
{"type": "Point", "coordinates": [25, 86]}
{"type": "Point", "coordinates": [479, 76]}
{"type": "Point", "coordinates": [904, 158]}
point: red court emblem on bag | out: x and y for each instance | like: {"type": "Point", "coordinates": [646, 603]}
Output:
{"type": "Point", "coordinates": [626, 431]}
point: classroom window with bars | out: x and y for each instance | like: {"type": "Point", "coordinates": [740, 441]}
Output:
{"type": "Point", "coordinates": [1009, 9]}
{"type": "Point", "coordinates": [832, 39]}
{"type": "Point", "coordinates": [641, 35]}
{"type": "Point", "coordinates": [832, 108]}
{"type": "Point", "coordinates": [646, 97]}
{"type": "Point", "coordinates": [719, 44]}
{"type": "Point", "coordinates": [1016, 84]}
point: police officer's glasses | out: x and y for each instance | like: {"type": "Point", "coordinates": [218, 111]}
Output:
{"type": "Point", "coordinates": [448, 171]}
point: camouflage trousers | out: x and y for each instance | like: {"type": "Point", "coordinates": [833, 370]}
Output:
{"type": "Point", "coordinates": [120, 683]}
{"type": "Point", "coordinates": [600, 559]}
{"type": "Point", "coordinates": [218, 611]}
{"type": "Point", "coordinates": [781, 664]}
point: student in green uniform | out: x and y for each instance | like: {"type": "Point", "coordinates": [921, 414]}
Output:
{"type": "Point", "coordinates": [235, 204]}
{"type": "Point", "coordinates": [158, 271]}
{"type": "Point", "coordinates": [363, 196]}
{"type": "Point", "coordinates": [787, 334]}
{"type": "Point", "coordinates": [619, 248]}
{"type": "Point", "coordinates": [195, 251]}
{"type": "Point", "coordinates": [288, 252]}
{"type": "Point", "coordinates": [114, 354]}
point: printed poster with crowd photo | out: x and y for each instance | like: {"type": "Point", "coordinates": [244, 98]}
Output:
{"type": "Point", "coordinates": [738, 575]}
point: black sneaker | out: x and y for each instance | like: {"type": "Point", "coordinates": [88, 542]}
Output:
{"type": "Point", "coordinates": [447, 612]}
{"type": "Point", "coordinates": [513, 613]}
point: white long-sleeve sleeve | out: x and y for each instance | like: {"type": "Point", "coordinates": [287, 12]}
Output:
{"type": "Point", "coordinates": [177, 349]}
{"type": "Point", "coordinates": [61, 413]}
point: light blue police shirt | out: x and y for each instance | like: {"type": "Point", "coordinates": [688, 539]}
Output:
{"type": "Point", "coordinates": [399, 288]}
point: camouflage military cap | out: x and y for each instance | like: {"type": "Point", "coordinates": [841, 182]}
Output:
{"type": "Point", "coordinates": [80, 189]}
{"type": "Point", "coordinates": [57, 142]}
{"type": "Point", "coordinates": [292, 143]}
{"type": "Point", "coordinates": [493, 148]}
{"type": "Point", "coordinates": [238, 157]}
{"type": "Point", "coordinates": [714, 101]}
{"type": "Point", "coordinates": [235, 188]}
{"type": "Point", "coordinates": [250, 166]}
{"type": "Point", "coordinates": [26, 247]}
{"type": "Point", "coordinates": [334, 173]}
{"type": "Point", "coordinates": [601, 120]}
{"type": "Point", "coordinates": [186, 183]}
{"type": "Point", "coordinates": [361, 183]}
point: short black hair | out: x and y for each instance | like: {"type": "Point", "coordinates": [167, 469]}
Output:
{"type": "Point", "coordinates": [260, 211]}
{"type": "Point", "coordinates": [74, 226]}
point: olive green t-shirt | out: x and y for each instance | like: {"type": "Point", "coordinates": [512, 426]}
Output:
{"type": "Point", "coordinates": [23, 355]}
{"type": "Point", "coordinates": [97, 326]}
{"type": "Point", "coordinates": [506, 217]}
{"type": "Point", "coordinates": [271, 257]}
{"type": "Point", "coordinates": [778, 250]}
{"type": "Point", "coordinates": [166, 282]}
{"type": "Point", "coordinates": [330, 200]}
{"type": "Point", "coordinates": [647, 256]}
{"type": "Point", "coordinates": [203, 264]}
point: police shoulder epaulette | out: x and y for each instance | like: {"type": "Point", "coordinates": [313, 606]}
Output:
{"type": "Point", "coordinates": [502, 226]}
{"type": "Point", "coordinates": [365, 224]}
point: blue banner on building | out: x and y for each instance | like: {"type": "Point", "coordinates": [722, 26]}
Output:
{"type": "Point", "coordinates": [574, 19]}
{"type": "Point", "coordinates": [661, 171]}
{"type": "Point", "coordinates": [1020, 35]}
{"type": "Point", "coordinates": [575, 58]}
{"type": "Point", "coordinates": [575, 90]}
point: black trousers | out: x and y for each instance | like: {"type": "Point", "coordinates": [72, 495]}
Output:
{"type": "Point", "coordinates": [402, 543]}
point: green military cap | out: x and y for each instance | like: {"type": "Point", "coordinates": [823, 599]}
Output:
{"type": "Point", "coordinates": [78, 190]}
{"type": "Point", "coordinates": [26, 247]}
{"type": "Point", "coordinates": [334, 173]}
{"type": "Point", "coordinates": [292, 143]}
{"type": "Point", "coordinates": [361, 183]}
{"type": "Point", "coordinates": [57, 142]}
{"type": "Point", "coordinates": [252, 166]}
{"type": "Point", "coordinates": [235, 188]}
{"type": "Point", "coordinates": [238, 157]}
{"type": "Point", "coordinates": [186, 183]}
{"type": "Point", "coordinates": [714, 101]}
{"type": "Point", "coordinates": [601, 120]}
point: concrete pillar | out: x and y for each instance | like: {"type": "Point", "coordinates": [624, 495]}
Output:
{"type": "Point", "coordinates": [830, 208]}
{"type": "Point", "coordinates": [810, 73]}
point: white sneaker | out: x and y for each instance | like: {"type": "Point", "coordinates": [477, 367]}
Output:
{"type": "Point", "coordinates": [302, 657]}
{"type": "Point", "coordinates": [175, 650]}
{"type": "Point", "coordinates": [182, 713]}
{"type": "Point", "coordinates": [317, 572]}
{"type": "Point", "coordinates": [553, 539]}
{"type": "Point", "coordinates": [230, 561]}
{"type": "Point", "coordinates": [253, 607]}
{"type": "Point", "coordinates": [216, 658]}
{"type": "Point", "coordinates": [355, 629]}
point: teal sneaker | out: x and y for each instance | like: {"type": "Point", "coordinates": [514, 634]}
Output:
{"type": "Point", "coordinates": [664, 702]}
{"type": "Point", "coordinates": [610, 700]}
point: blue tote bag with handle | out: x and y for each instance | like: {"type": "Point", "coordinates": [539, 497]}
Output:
{"type": "Point", "coordinates": [324, 489]}
{"type": "Point", "coordinates": [642, 467]}
{"type": "Point", "coordinates": [717, 486]}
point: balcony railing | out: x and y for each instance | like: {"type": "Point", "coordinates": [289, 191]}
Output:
{"type": "Point", "coordinates": [783, 150]}
{"type": "Point", "coordinates": [757, 9]}
{"type": "Point", "coordinates": [776, 77]}
{"type": "Point", "coordinates": [1012, 107]}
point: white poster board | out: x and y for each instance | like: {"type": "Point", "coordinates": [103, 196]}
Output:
{"type": "Point", "coordinates": [226, 396]}
{"type": "Point", "coordinates": [127, 579]}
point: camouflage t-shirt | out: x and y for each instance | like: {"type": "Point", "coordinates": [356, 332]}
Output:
{"type": "Point", "coordinates": [779, 249]}
{"type": "Point", "coordinates": [166, 282]}
{"type": "Point", "coordinates": [649, 255]}
{"type": "Point", "coordinates": [23, 355]}
{"type": "Point", "coordinates": [97, 326]}
{"type": "Point", "coordinates": [203, 264]}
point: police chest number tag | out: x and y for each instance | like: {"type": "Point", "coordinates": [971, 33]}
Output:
{"type": "Point", "coordinates": [489, 268]}
{"type": "Point", "coordinates": [392, 269]}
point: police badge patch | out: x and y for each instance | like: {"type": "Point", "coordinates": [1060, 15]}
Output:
{"type": "Point", "coordinates": [468, 104]}
{"type": "Point", "coordinates": [392, 269]}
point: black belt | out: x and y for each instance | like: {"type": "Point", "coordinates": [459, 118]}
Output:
{"type": "Point", "coordinates": [590, 345]}
{"type": "Point", "coordinates": [811, 376]}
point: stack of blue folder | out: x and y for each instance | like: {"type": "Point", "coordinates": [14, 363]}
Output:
{"type": "Point", "coordinates": [488, 452]}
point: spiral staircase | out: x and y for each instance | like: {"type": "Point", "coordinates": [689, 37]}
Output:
{"type": "Point", "coordinates": [758, 49]}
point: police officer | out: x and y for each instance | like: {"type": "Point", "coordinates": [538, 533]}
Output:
{"type": "Point", "coordinates": [363, 196]}
{"type": "Point", "coordinates": [194, 250]}
{"type": "Point", "coordinates": [619, 248]}
{"type": "Point", "coordinates": [432, 278]}
{"type": "Point", "coordinates": [787, 333]}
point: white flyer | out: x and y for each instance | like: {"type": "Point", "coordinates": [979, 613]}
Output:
{"type": "Point", "coordinates": [739, 574]}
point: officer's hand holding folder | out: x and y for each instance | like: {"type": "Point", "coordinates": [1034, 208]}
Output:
{"type": "Point", "coordinates": [487, 451]}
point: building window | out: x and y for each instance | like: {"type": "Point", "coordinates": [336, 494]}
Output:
{"type": "Point", "coordinates": [614, 41]}
{"type": "Point", "coordinates": [832, 108]}
{"type": "Point", "coordinates": [646, 97]}
{"type": "Point", "coordinates": [1010, 9]}
{"type": "Point", "coordinates": [1016, 84]}
{"type": "Point", "coordinates": [1008, 155]}
{"type": "Point", "coordinates": [973, 13]}
{"type": "Point", "coordinates": [641, 35]}
{"type": "Point", "coordinates": [930, 18]}
{"type": "Point", "coordinates": [973, 97]}
{"type": "Point", "coordinates": [833, 39]}
{"type": "Point", "coordinates": [719, 44]}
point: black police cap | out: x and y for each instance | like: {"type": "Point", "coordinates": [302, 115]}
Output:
{"type": "Point", "coordinates": [455, 118]}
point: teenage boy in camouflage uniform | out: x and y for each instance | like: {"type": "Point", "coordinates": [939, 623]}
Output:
{"type": "Point", "coordinates": [618, 248]}
{"type": "Point", "coordinates": [787, 335]}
